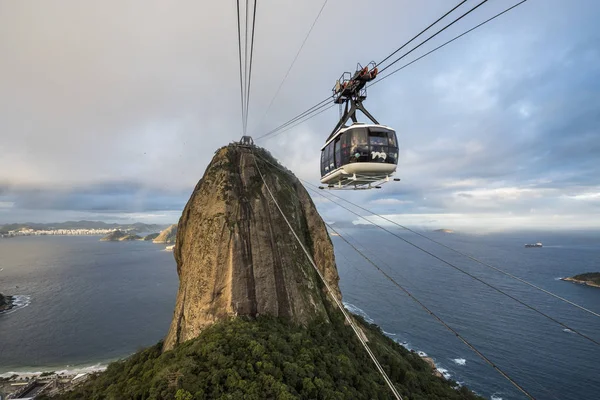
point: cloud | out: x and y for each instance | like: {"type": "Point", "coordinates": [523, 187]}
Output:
{"type": "Point", "coordinates": [115, 110]}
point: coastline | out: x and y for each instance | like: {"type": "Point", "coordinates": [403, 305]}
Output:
{"type": "Point", "coordinates": [579, 282]}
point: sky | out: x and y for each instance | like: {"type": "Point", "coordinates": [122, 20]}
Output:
{"type": "Point", "coordinates": [112, 110]}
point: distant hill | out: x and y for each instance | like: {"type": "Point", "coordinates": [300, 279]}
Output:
{"type": "Point", "coordinates": [589, 279]}
{"type": "Point", "coordinates": [114, 236]}
{"type": "Point", "coordinates": [130, 237]}
{"type": "Point", "coordinates": [135, 227]}
{"type": "Point", "coordinates": [151, 236]}
{"type": "Point", "coordinates": [168, 235]}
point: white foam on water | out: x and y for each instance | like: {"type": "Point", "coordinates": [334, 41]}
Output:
{"type": "Point", "coordinates": [560, 278]}
{"type": "Point", "coordinates": [355, 310]}
{"type": "Point", "coordinates": [494, 397]}
{"type": "Point", "coordinates": [65, 370]}
{"type": "Point", "coordinates": [19, 301]}
{"type": "Point", "coordinates": [388, 333]}
{"type": "Point", "coordinates": [567, 330]}
{"type": "Point", "coordinates": [444, 372]}
{"type": "Point", "coordinates": [421, 353]}
{"type": "Point", "coordinates": [460, 361]}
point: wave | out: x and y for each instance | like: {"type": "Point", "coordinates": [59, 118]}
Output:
{"type": "Point", "coordinates": [355, 310]}
{"type": "Point", "coordinates": [460, 361]}
{"type": "Point", "coordinates": [560, 278]}
{"type": "Point", "coordinates": [495, 397]}
{"type": "Point", "coordinates": [444, 372]}
{"type": "Point", "coordinates": [388, 333]}
{"type": "Point", "coordinates": [421, 353]}
{"type": "Point", "coordinates": [64, 370]}
{"type": "Point", "coordinates": [567, 330]}
{"type": "Point", "coordinates": [19, 301]}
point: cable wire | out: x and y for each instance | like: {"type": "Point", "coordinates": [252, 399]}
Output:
{"type": "Point", "coordinates": [296, 118]}
{"type": "Point", "coordinates": [455, 267]}
{"type": "Point", "coordinates": [434, 315]}
{"type": "Point", "coordinates": [292, 64]}
{"type": "Point", "coordinates": [240, 57]}
{"type": "Point", "coordinates": [420, 33]}
{"type": "Point", "coordinates": [330, 291]}
{"type": "Point", "coordinates": [434, 35]}
{"type": "Point", "coordinates": [471, 257]}
{"type": "Point", "coordinates": [322, 110]}
{"type": "Point", "coordinates": [408, 293]}
{"type": "Point", "coordinates": [448, 42]}
{"type": "Point", "coordinates": [250, 68]}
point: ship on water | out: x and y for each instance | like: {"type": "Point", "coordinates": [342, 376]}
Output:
{"type": "Point", "coordinates": [538, 244]}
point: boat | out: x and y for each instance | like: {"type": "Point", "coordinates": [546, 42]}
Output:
{"type": "Point", "coordinates": [538, 244]}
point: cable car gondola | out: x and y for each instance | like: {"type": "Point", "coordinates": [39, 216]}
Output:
{"type": "Point", "coordinates": [359, 156]}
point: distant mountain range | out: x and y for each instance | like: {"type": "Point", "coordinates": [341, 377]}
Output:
{"type": "Point", "coordinates": [135, 227]}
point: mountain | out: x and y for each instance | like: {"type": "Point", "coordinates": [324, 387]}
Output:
{"type": "Point", "coordinates": [114, 236]}
{"type": "Point", "coordinates": [135, 227]}
{"type": "Point", "coordinates": [127, 238]}
{"type": "Point", "coordinates": [168, 235]}
{"type": "Point", "coordinates": [253, 319]}
{"type": "Point", "coordinates": [235, 253]}
{"type": "Point", "coordinates": [151, 236]}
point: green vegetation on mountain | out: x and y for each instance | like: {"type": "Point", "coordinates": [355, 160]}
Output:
{"type": "Point", "coordinates": [151, 236]}
{"type": "Point", "coordinates": [114, 236]}
{"type": "Point", "coordinates": [269, 358]}
{"type": "Point", "coordinates": [130, 237]}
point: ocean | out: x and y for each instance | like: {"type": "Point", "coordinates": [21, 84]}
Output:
{"type": "Point", "coordinates": [85, 303]}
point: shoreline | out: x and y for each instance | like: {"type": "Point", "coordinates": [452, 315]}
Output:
{"type": "Point", "coordinates": [579, 282]}
{"type": "Point", "coordinates": [36, 372]}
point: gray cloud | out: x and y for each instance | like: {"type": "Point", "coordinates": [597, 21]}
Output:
{"type": "Point", "coordinates": [116, 108]}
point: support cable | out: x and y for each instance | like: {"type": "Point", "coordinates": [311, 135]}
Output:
{"type": "Point", "coordinates": [311, 109]}
{"type": "Point", "coordinates": [240, 57]}
{"type": "Point", "coordinates": [471, 257]}
{"type": "Point", "coordinates": [322, 110]}
{"type": "Point", "coordinates": [245, 67]}
{"type": "Point", "coordinates": [296, 118]}
{"type": "Point", "coordinates": [250, 68]}
{"type": "Point", "coordinates": [331, 293]}
{"type": "Point", "coordinates": [293, 62]}
{"type": "Point", "coordinates": [420, 33]}
{"type": "Point", "coordinates": [458, 335]}
{"type": "Point", "coordinates": [455, 267]}
{"type": "Point", "coordinates": [448, 42]}
{"type": "Point", "coordinates": [434, 35]}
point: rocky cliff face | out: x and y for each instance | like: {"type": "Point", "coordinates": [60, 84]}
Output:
{"type": "Point", "coordinates": [236, 255]}
{"type": "Point", "coordinates": [168, 235]}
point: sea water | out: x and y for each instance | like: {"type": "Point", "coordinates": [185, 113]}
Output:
{"type": "Point", "coordinates": [85, 302]}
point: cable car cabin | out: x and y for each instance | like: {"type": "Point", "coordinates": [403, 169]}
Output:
{"type": "Point", "coordinates": [360, 156]}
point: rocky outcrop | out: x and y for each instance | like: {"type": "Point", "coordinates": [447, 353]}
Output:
{"type": "Point", "coordinates": [588, 279]}
{"type": "Point", "coordinates": [151, 236]}
{"type": "Point", "coordinates": [237, 256]}
{"type": "Point", "coordinates": [114, 236]}
{"type": "Point", "coordinates": [169, 235]}
{"type": "Point", "coordinates": [127, 238]}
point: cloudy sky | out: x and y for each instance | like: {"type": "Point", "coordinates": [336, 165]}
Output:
{"type": "Point", "coordinates": [112, 110]}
